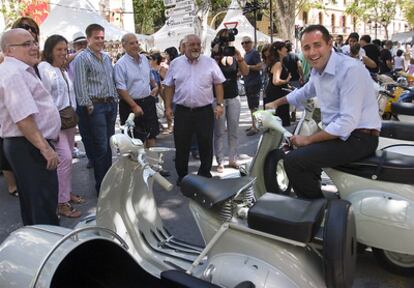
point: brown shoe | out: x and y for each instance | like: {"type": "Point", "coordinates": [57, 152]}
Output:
{"type": "Point", "coordinates": [66, 210]}
{"type": "Point", "coordinates": [252, 132]}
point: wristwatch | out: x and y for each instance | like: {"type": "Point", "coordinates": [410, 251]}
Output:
{"type": "Point", "coordinates": [220, 104]}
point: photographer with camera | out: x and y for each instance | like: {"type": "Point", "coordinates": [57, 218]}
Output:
{"type": "Point", "coordinates": [231, 63]}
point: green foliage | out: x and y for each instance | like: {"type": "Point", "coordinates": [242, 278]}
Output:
{"type": "Point", "coordinates": [408, 9]}
{"type": "Point", "coordinates": [148, 15]}
{"type": "Point", "coordinates": [380, 12]}
{"type": "Point", "coordinates": [11, 10]}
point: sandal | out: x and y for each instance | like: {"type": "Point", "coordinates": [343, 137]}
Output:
{"type": "Point", "coordinates": [234, 165]}
{"type": "Point", "coordinates": [76, 199]}
{"type": "Point", "coordinates": [14, 193]}
{"type": "Point", "coordinates": [66, 210]}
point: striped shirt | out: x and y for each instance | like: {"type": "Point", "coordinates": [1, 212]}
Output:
{"type": "Point", "coordinates": [93, 77]}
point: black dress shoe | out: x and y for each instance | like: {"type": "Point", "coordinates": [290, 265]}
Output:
{"type": "Point", "coordinates": [164, 173]}
{"type": "Point", "coordinates": [195, 155]}
{"type": "Point", "coordinates": [179, 181]}
{"type": "Point", "coordinates": [90, 164]}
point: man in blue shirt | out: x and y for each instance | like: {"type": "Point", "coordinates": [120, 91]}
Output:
{"type": "Point", "coordinates": [349, 109]}
{"type": "Point", "coordinates": [253, 81]}
{"type": "Point", "coordinates": [134, 80]}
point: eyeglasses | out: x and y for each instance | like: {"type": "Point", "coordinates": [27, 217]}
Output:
{"type": "Point", "coordinates": [27, 44]}
{"type": "Point", "coordinates": [246, 42]}
{"type": "Point", "coordinates": [28, 28]}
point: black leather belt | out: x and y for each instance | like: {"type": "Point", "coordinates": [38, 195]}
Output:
{"type": "Point", "coordinates": [104, 100]}
{"type": "Point", "coordinates": [179, 106]}
{"type": "Point", "coordinates": [371, 132]}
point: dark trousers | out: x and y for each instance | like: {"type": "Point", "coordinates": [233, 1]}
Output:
{"type": "Point", "coordinates": [85, 131]}
{"type": "Point", "coordinates": [37, 186]}
{"type": "Point", "coordinates": [146, 126]}
{"type": "Point", "coordinates": [198, 122]}
{"type": "Point", "coordinates": [304, 165]}
{"type": "Point", "coordinates": [102, 122]}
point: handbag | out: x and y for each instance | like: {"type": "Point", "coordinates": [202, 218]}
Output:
{"type": "Point", "coordinates": [68, 116]}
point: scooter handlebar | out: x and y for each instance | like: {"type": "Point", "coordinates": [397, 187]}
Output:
{"type": "Point", "coordinates": [163, 182]}
{"type": "Point", "coordinates": [130, 120]}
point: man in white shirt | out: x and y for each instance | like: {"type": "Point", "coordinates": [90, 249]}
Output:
{"type": "Point", "coordinates": [28, 130]}
{"type": "Point", "coordinates": [349, 109]}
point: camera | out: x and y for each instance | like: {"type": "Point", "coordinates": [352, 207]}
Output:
{"type": "Point", "coordinates": [220, 45]}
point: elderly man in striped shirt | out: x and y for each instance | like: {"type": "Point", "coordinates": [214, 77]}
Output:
{"type": "Point", "coordinates": [96, 94]}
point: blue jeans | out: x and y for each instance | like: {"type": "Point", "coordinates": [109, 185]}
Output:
{"type": "Point", "coordinates": [85, 131]}
{"type": "Point", "coordinates": [102, 121]}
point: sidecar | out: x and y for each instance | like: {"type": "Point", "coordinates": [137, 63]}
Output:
{"type": "Point", "coordinates": [271, 245]}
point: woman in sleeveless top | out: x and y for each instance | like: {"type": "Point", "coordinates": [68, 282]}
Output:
{"type": "Point", "coordinates": [230, 66]}
{"type": "Point", "coordinates": [279, 78]}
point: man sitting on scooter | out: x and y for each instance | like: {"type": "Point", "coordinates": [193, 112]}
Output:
{"type": "Point", "coordinates": [349, 109]}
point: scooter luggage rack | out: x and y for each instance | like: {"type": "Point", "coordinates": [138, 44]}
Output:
{"type": "Point", "coordinates": [226, 226]}
{"type": "Point", "coordinates": [74, 236]}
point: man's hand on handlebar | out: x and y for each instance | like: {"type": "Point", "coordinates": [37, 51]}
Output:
{"type": "Point", "coordinates": [300, 140]}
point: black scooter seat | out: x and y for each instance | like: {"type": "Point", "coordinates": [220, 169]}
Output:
{"type": "Point", "coordinates": [397, 130]}
{"type": "Point", "coordinates": [287, 217]}
{"type": "Point", "coordinates": [209, 192]}
{"type": "Point", "coordinates": [403, 108]}
{"type": "Point", "coordinates": [384, 166]}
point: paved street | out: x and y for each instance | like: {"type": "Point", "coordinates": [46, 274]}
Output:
{"type": "Point", "coordinates": [173, 208]}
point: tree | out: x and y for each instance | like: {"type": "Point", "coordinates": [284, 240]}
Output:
{"type": "Point", "coordinates": [408, 10]}
{"type": "Point", "coordinates": [357, 13]}
{"type": "Point", "coordinates": [149, 15]}
{"type": "Point", "coordinates": [13, 9]}
{"type": "Point", "coordinates": [379, 12]}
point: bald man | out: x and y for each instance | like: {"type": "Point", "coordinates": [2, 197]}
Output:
{"type": "Point", "coordinates": [29, 123]}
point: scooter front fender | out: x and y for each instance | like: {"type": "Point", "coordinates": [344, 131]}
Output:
{"type": "Point", "coordinates": [384, 220]}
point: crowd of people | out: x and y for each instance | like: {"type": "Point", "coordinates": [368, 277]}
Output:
{"type": "Point", "coordinates": [198, 94]}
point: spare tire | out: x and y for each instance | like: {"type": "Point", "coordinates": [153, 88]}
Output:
{"type": "Point", "coordinates": [339, 244]}
{"type": "Point", "coordinates": [275, 178]}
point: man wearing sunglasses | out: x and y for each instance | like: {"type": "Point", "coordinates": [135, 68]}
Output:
{"type": "Point", "coordinates": [29, 129]}
{"type": "Point", "coordinates": [252, 81]}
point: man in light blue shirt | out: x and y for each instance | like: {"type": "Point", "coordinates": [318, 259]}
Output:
{"type": "Point", "coordinates": [133, 80]}
{"type": "Point", "coordinates": [349, 109]}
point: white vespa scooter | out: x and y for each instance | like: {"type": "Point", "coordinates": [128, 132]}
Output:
{"type": "Point", "coordinates": [380, 188]}
{"type": "Point", "coordinates": [263, 243]}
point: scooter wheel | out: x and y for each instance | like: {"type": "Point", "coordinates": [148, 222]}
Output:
{"type": "Point", "coordinates": [275, 177]}
{"type": "Point", "coordinates": [397, 263]}
{"type": "Point", "coordinates": [339, 244]}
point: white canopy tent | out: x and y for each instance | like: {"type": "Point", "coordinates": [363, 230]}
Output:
{"type": "Point", "coordinates": [235, 14]}
{"type": "Point", "coordinates": [68, 17]}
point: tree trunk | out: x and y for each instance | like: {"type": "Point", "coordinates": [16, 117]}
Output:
{"type": "Point", "coordinates": [386, 31]}
{"type": "Point", "coordinates": [285, 19]}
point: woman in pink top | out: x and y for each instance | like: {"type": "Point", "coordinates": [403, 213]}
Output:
{"type": "Point", "coordinates": [57, 82]}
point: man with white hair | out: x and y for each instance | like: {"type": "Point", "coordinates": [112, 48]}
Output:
{"type": "Point", "coordinates": [134, 80]}
{"type": "Point", "coordinates": [191, 80]}
{"type": "Point", "coordinates": [29, 129]}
